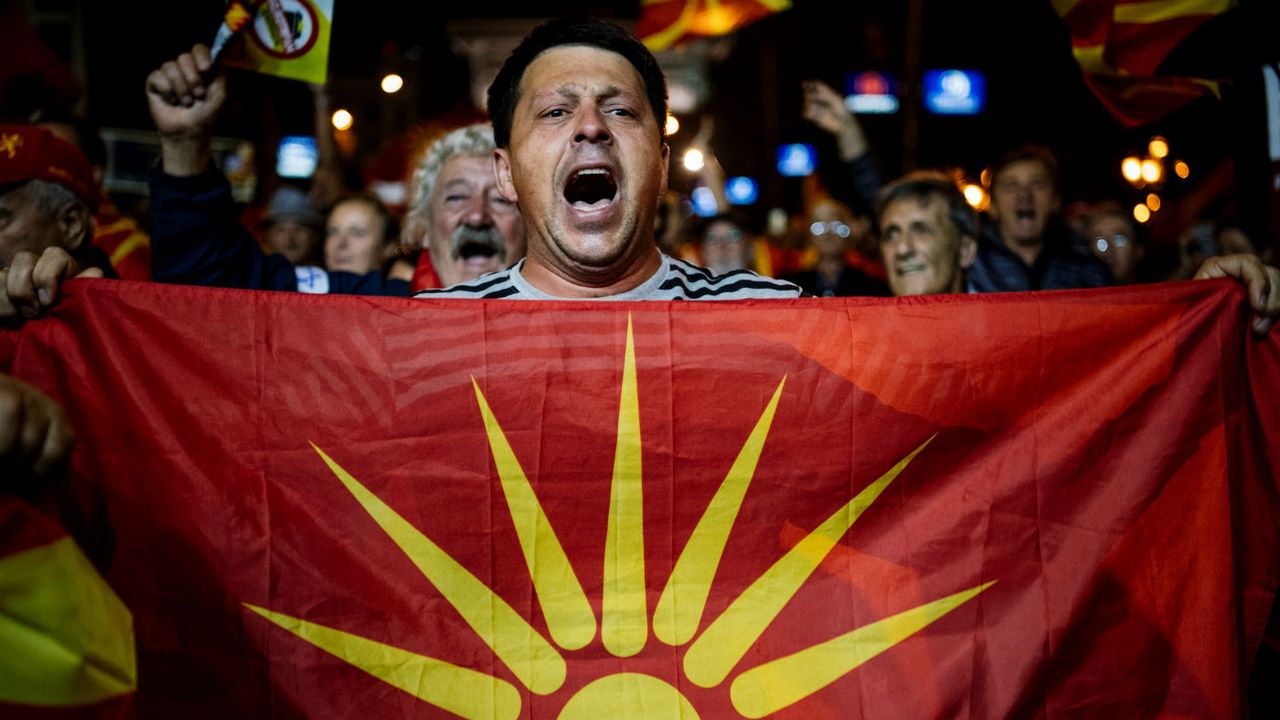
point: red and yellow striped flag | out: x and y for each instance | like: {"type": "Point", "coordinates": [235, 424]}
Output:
{"type": "Point", "coordinates": [665, 23]}
{"type": "Point", "coordinates": [1120, 45]}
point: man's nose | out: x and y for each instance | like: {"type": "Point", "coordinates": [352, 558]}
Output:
{"type": "Point", "coordinates": [592, 127]}
{"type": "Point", "coordinates": [477, 214]}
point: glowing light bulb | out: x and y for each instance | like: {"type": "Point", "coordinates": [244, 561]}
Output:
{"type": "Point", "coordinates": [1153, 202]}
{"type": "Point", "coordinates": [673, 125]}
{"type": "Point", "coordinates": [1182, 169]}
{"type": "Point", "coordinates": [1152, 171]}
{"type": "Point", "coordinates": [1131, 168]}
{"type": "Point", "coordinates": [392, 83]}
{"type": "Point", "coordinates": [1158, 147]}
{"type": "Point", "coordinates": [693, 160]}
{"type": "Point", "coordinates": [1141, 213]}
{"type": "Point", "coordinates": [974, 196]}
{"type": "Point", "coordinates": [342, 119]}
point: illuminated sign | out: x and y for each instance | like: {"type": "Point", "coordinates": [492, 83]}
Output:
{"type": "Point", "coordinates": [870, 93]}
{"type": "Point", "coordinates": [796, 160]}
{"type": "Point", "coordinates": [704, 202]}
{"type": "Point", "coordinates": [741, 190]}
{"type": "Point", "coordinates": [296, 157]}
{"type": "Point", "coordinates": [954, 92]}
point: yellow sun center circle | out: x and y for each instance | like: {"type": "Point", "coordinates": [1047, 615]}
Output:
{"type": "Point", "coordinates": [628, 696]}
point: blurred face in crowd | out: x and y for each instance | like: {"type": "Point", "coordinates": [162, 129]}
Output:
{"type": "Point", "coordinates": [1023, 199]}
{"type": "Point", "coordinates": [292, 239]}
{"type": "Point", "coordinates": [25, 227]}
{"type": "Point", "coordinates": [355, 237]}
{"type": "Point", "coordinates": [830, 227]}
{"type": "Point", "coordinates": [472, 228]}
{"type": "Point", "coordinates": [724, 248]}
{"type": "Point", "coordinates": [923, 251]}
{"type": "Point", "coordinates": [1112, 240]}
{"type": "Point", "coordinates": [587, 164]}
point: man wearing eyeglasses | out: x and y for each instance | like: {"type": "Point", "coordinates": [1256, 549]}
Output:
{"type": "Point", "coordinates": [833, 231]}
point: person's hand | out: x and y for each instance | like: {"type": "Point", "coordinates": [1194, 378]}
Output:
{"type": "Point", "coordinates": [184, 104]}
{"type": "Point", "coordinates": [1262, 283]}
{"type": "Point", "coordinates": [31, 283]}
{"type": "Point", "coordinates": [825, 108]}
{"type": "Point", "coordinates": [35, 437]}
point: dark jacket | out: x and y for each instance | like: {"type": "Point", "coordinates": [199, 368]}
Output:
{"type": "Point", "coordinates": [197, 240]}
{"type": "Point", "coordinates": [1061, 265]}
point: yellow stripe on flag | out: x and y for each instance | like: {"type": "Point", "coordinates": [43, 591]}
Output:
{"type": "Point", "coordinates": [1158, 10]}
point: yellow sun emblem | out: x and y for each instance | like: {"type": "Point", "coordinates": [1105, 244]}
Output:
{"type": "Point", "coordinates": [541, 668]}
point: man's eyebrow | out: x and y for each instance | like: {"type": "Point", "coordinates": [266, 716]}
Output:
{"type": "Point", "coordinates": [457, 181]}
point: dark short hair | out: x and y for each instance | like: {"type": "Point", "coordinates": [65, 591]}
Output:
{"type": "Point", "coordinates": [924, 185]}
{"type": "Point", "coordinates": [1037, 153]}
{"type": "Point", "coordinates": [504, 93]}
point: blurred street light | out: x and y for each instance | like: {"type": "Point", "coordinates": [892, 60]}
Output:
{"type": "Point", "coordinates": [1131, 168]}
{"type": "Point", "coordinates": [342, 119]}
{"type": "Point", "coordinates": [976, 197]}
{"type": "Point", "coordinates": [392, 83]}
{"type": "Point", "coordinates": [1152, 171]}
{"type": "Point", "coordinates": [1182, 169]}
{"type": "Point", "coordinates": [1141, 213]}
{"type": "Point", "coordinates": [1153, 202]}
{"type": "Point", "coordinates": [1158, 147]}
{"type": "Point", "coordinates": [693, 160]}
{"type": "Point", "coordinates": [673, 125]}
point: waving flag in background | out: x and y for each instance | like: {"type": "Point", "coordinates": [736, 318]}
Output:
{"type": "Point", "coordinates": [983, 506]}
{"type": "Point", "coordinates": [665, 23]}
{"type": "Point", "coordinates": [287, 38]}
{"type": "Point", "coordinates": [1120, 45]}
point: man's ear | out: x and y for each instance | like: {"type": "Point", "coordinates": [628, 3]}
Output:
{"type": "Point", "coordinates": [968, 251]}
{"type": "Point", "coordinates": [666, 167]}
{"type": "Point", "coordinates": [502, 169]}
{"type": "Point", "coordinates": [75, 225]}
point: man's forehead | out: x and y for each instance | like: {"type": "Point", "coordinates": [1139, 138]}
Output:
{"type": "Point", "coordinates": [465, 168]}
{"type": "Point", "coordinates": [1029, 168]}
{"type": "Point", "coordinates": [608, 70]}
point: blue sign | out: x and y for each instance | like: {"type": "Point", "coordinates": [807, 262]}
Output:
{"type": "Point", "coordinates": [704, 202]}
{"type": "Point", "coordinates": [954, 92]}
{"type": "Point", "coordinates": [796, 160]}
{"type": "Point", "coordinates": [741, 190]}
{"type": "Point", "coordinates": [296, 157]}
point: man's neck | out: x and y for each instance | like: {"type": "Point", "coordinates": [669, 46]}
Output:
{"type": "Point", "coordinates": [581, 284]}
{"type": "Point", "coordinates": [1027, 250]}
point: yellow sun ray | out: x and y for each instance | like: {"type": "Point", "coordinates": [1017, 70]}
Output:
{"type": "Point", "coordinates": [530, 657]}
{"type": "Point", "coordinates": [461, 691]}
{"type": "Point", "coordinates": [679, 609]}
{"type": "Point", "coordinates": [774, 685]}
{"type": "Point", "coordinates": [624, 627]}
{"type": "Point", "coordinates": [570, 619]}
{"type": "Point", "coordinates": [729, 636]}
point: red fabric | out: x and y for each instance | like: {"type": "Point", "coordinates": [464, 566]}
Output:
{"type": "Point", "coordinates": [1109, 458]}
{"type": "Point", "coordinates": [425, 276]}
{"type": "Point", "coordinates": [1131, 87]}
{"type": "Point", "coordinates": [126, 244]}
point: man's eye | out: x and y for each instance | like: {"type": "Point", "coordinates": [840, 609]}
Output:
{"type": "Point", "coordinates": [622, 112]}
{"type": "Point", "coordinates": [554, 113]}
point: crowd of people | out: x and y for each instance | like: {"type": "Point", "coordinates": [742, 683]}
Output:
{"type": "Point", "coordinates": [563, 194]}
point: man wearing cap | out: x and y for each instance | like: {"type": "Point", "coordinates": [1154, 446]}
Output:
{"type": "Point", "coordinates": [293, 226]}
{"type": "Point", "coordinates": [47, 197]}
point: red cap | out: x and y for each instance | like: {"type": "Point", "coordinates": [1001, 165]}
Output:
{"type": "Point", "coordinates": [28, 152]}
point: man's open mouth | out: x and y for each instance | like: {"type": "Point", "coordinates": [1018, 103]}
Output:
{"type": "Point", "coordinates": [1025, 213]}
{"type": "Point", "coordinates": [472, 242]}
{"type": "Point", "coordinates": [590, 189]}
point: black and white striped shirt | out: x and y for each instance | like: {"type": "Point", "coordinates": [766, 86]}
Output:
{"type": "Point", "coordinates": [674, 280]}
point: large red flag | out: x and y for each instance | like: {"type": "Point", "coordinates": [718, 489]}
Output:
{"type": "Point", "coordinates": [972, 506]}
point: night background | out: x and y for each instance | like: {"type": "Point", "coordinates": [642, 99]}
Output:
{"type": "Point", "coordinates": [1035, 90]}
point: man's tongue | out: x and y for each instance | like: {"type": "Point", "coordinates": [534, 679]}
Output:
{"type": "Point", "coordinates": [590, 189]}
